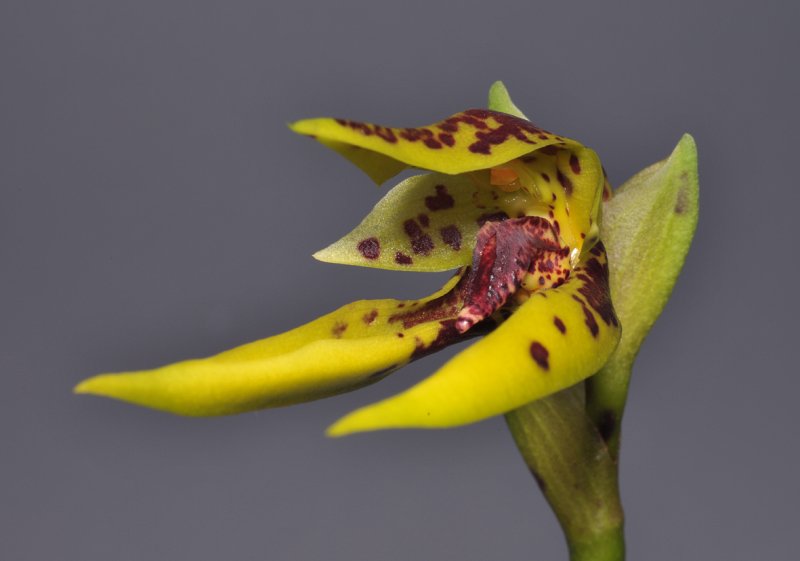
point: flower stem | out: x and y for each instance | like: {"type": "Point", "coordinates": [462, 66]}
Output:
{"type": "Point", "coordinates": [607, 546]}
{"type": "Point", "coordinates": [575, 470]}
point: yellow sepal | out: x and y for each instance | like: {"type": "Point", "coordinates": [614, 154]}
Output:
{"type": "Point", "coordinates": [467, 141]}
{"type": "Point", "coordinates": [354, 346]}
{"type": "Point", "coordinates": [555, 339]}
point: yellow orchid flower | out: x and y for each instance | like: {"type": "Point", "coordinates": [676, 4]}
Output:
{"type": "Point", "coordinates": [514, 209]}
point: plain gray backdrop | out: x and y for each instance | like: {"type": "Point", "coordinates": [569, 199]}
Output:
{"type": "Point", "coordinates": [154, 207]}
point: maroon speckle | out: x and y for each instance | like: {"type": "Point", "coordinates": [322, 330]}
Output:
{"type": "Point", "coordinates": [440, 201]}
{"type": "Point", "coordinates": [402, 259]}
{"type": "Point", "coordinates": [559, 324]}
{"type": "Point", "coordinates": [447, 139]}
{"type": "Point", "coordinates": [338, 329]}
{"type": "Point", "coordinates": [540, 355]}
{"type": "Point", "coordinates": [422, 245]}
{"type": "Point", "coordinates": [400, 334]}
{"type": "Point", "coordinates": [509, 126]}
{"type": "Point", "coordinates": [432, 143]}
{"type": "Point", "coordinates": [370, 317]}
{"type": "Point", "coordinates": [595, 290]}
{"type": "Point", "coordinates": [370, 248]}
{"type": "Point", "coordinates": [386, 134]}
{"type": "Point", "coordinates": [451, 235]}
{"type": "Point", "coordinates": [588, 316]}
{"type": "Point", "coordinates": [412, 228]}
{"type": "Point", "coordinates": [549, 150]}
{"type": "Point", "coordinates": [565, 182]}
{"type": "Point", "coordinates": [424, 220]}
{"type": "Point", "coordinates": [545, 177]}
{"type": "Point", "coordinates": [575, 164]}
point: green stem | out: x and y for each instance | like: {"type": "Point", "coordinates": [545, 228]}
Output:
{"type": "Point", "coordinates": [577, 474]}
{"type": "Point", "coordinates": [608, 546]}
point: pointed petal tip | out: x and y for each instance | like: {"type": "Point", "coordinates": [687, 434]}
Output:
{"type": "Point", "coordinates": [93, 386]}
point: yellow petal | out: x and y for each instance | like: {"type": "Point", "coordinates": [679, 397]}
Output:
{"type": "Point", "coordinates": [426, 223]}
{"type": "Point", "coordinates": [349, 348]}
{"type": "Point", "coordinates": [557, 338]}
{"type": "Point", "coordinates": [467, 141]}
{"type": "Point", "coordinates": [570, 184]}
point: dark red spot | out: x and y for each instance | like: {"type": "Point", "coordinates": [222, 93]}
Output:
{"type": "Point", "coordinates": [402, 259]}
{"type": "Point", "coordinates": [385, 133]}
{"type": "Point", "coordinates": [559, 324]}
{"type": "Point", "coordinates": [422, 245]}
{"type": "Point", "coordinates": [412, 228]}
{"type": "Point", "coordinates": [401, 335]}
{"type": "Point", "coordinates": [447, 139]}
{"type": "Point", "coordinates": [540, 355]}
{"type": "Point", "coordinates": [451, 235]}
{"type": "Point", "coordinates": [588, 316]}
{"type": "Point", "coordinates": [549, 150]}
{"type": "Point", "coordinates": [440, 201]}
{"type": "Point", "coordinates": [574, 164]}
{"type": "Point", "coordinates": [595, 290]}
{"type": "Point", "coordinates": [338, 329]}
{"type": "Point", "coordinates": [432, 143]}
{"type": "Point", "coordinates": [370, 248]}
{"type": "Point", "coordinates": [565, 182]}
{"type": "Point", "coordinates": [545, 177]}
{"type": "Point", "coordinates": [424, 220]}
{"type": "Point", "coordinates": [370, 317]}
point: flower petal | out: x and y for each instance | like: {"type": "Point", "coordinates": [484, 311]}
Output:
{"type": "Point", "coordinates": [354, 346]}
{"type": "Point", "coordinates": [572, 181]}
{"type": "Point", "coordinates": [426, 223]}
{"type": "Point", "coordinates": [467, 141]}
{"type": "Point", "coordinates": [555, 339]}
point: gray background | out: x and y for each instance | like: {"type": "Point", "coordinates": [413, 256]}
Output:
{"type": "Point", "coordinates": [154, 207]}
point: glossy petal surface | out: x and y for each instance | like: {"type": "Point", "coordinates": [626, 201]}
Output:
{"type": "Point", "coordinates": [467, 141]}
{"type": "Point", "coordinates": [355, 345]}
{"type": "Point", "coordinates": [555, 339]}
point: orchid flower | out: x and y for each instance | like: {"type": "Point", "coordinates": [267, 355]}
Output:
{"type": "Point", "coordinates": [511, 207]}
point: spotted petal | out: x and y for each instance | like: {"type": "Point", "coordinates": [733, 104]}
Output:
{"type": "Point", "coordinates": [349, 348]}
{"type": "Point", "coordinates": [426, 223]}
{"type": "Point", "coordinates": [468, 141]}
{"type": "Point", "coordinates": [572, 181]}
{"type": "Point", "coordinates": [557, 338]}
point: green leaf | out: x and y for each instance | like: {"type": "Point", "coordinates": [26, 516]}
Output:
{"type": "Point", "coordinates": [647, 229]}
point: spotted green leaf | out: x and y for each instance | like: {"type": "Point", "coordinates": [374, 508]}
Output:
{"type": "Point", "coordinates": [344, 350]}
{"type": "Point", "coordinates": [555, 339]}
